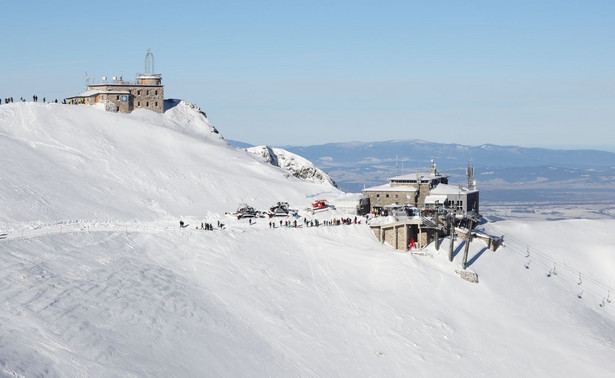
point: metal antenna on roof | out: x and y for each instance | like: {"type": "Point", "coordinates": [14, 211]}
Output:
{"type": "Point", "coordinates": [149, 62]}
{"type": "Point", "coordinates": [470, 174]}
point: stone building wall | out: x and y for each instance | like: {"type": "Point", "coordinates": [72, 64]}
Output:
{"type": "Point", "coordinates": [384, 198]}
{"type": "Point", "coordinates": [122, 106]}
{"type": "Point", "coordinates": [389, 236]}
{"type": "Point", "coordinates": [423, 239]}
{"type": "Point", "coordinates": [141, 96]}
{"type": "Point", "coordinates": [402, 238]}
{"type": "Point", "coordinates": [149, 97]}
{"type": "Point", "coordinates": [398, 236]}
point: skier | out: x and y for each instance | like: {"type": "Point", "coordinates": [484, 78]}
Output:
{"type": "Point", "coordinates": [181, 224]}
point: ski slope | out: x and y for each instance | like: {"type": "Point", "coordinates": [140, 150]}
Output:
{"type": "Point", "coordinates": [63, 162]}
{"type": "Point", "coordinates": [97, 278]}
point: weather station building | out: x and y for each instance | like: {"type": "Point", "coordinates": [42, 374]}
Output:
{"type": "Point", "coordinates": [145, 92]}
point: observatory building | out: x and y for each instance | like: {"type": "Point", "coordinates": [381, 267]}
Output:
{"type": "Point", "coordinates": [117, 94]}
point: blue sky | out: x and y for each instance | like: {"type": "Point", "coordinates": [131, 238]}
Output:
{"type": "Point", "coordinates": [530, 73]}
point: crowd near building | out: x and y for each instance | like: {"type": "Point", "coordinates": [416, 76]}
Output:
{"type": "Point", "coordinates": [117, 94]}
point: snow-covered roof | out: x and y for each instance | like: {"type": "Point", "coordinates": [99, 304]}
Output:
{"type": "Point", "coordinates": [432, 199]}
{"type": "Point", "coordinates": [389, 188]}
{"type": "Point", "coordinates": [421, 175]}
{"type": "Point", "coordinates": [95, 93]}
{"type": "Point", "coordinates": [450, 189]}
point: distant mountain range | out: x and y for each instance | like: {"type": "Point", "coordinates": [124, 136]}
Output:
{"type": "Point", "coordinates": [505, 169]}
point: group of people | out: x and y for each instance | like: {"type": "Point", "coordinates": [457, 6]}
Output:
{"type": "Point", "coordinates": [9, 100]}
{"type": "Point", "coordinates": [284, 223]}
{"type": "Point", "coordinates": [208, 226]}
{"type": "Point", "coordinates": [317, 223]}
{"type": "Point", "coordinates": [204, 225]}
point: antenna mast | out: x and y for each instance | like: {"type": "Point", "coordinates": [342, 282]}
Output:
{"type": "Point", "coordinates": [149, 63]}
{"type": "Point", "coordinates": [470, 174]}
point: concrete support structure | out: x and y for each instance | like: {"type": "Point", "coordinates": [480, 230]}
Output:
{"type": "Point", "coordinates": [398, 235]}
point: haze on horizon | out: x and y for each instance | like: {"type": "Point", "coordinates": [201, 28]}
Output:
{"type": "Point", "coordinates": [523, 73]}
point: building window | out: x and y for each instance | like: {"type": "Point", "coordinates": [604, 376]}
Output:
{"type": "Point", "coordinates": [387, 196]}
{"type": "Point", "coordinates": [147, 93]}
{"type": "Point", "coordinates": [156, 104]}
{"type": "Point", "coordinates": [147, 104]}
{"type": "Point", "coordinates": [156, 92]}
{"type": "Point", "coordinates": [377, 195]}
{"type": "Point", "coordinates": [117, 97]}
{"type": "Point", "coordinates": [138, 103]}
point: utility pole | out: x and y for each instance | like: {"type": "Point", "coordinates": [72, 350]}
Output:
{"type": "Point", "coordinates": [437, 233]}
{"type": "Point", "coordinates": [452, 236]}
{"type": "Point", "coordinates": [467, 248]}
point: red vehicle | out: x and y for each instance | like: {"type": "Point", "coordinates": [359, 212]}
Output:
{"type": "Point", "coordinates": [320, 204]}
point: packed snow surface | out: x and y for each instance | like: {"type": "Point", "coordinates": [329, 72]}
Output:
{"type": "Point", "coordinates": [97, 278]}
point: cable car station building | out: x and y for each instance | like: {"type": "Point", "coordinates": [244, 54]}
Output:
{"type": "Point", "coordinates": [425, 190]}
{"type": "Point", "coordinates": [416, 202]}
{"type": "Point", "coordinates": [146, 92]}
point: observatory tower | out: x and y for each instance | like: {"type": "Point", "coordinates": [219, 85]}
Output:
{"type": "Point", "coordinates": [145, 92]}
{"type": "Point", "coordinates": [149, 77]}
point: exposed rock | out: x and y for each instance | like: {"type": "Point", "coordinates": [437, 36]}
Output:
{"type": "Point", "coordinates": [468, 275]}
{"type": "Point", "coordinates": [292, 163]}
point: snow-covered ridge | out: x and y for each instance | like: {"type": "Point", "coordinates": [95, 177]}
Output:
{"type": "Point", "coordinates": [64, 162]}
{"type": "Point", "coordinates": [296, 165]}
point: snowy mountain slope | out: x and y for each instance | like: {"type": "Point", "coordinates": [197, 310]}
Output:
{"type": "Point", "coordinates": [255, 301]}
{"type": "Point", "coordinates": [62, 162]}
{"type": "Point", "coordinates": [293, 163]}
{"type": "Point", "coordinates": [97, 279]}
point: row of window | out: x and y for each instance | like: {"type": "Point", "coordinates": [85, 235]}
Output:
{"type": "Point", "coordinates": [457, 204]}
{"type": "Point", "coordinates": [146, 104]}
{"type": "Point", "coordinates": [387, 195]}
{"type": "Point", "coordinates": [138, 102]}
{"type": "Point", "coordinates": [146, 92]}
